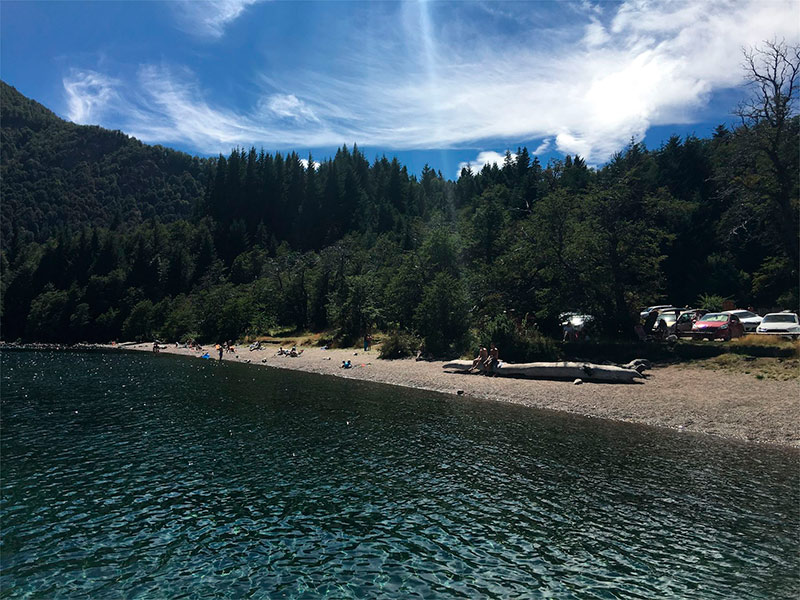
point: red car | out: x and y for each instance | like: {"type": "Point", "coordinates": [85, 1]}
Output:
{"type": "Point", "coordinates": [718, 326]}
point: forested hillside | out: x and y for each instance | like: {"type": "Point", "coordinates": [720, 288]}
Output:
{"type": "Point", "coordinates": [242, 244]}
{"type": "Point", "coordinates": [56, 173]}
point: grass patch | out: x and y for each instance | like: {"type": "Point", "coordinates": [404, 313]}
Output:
{"type": "Point", "coordinates": [766, 345]}
{"type": "Point", "coordinates": [764, 367]}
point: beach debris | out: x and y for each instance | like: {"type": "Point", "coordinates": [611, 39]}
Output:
{"type": "Point", "coordinates": [263, 360]}
{"type": "Point", "coordinates": [460, 392]}
{"type": "Point", "coordinates": [577, 382]}
{"type": "Point", "coordinates": [638, 365]}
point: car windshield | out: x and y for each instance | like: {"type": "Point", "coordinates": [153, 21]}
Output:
{"type": "Point", "coordinates": [716, 317]}
{"type": "Point", "coordinates": [780, 319]}
{"type": "Point", "coordinates": [744, 314]}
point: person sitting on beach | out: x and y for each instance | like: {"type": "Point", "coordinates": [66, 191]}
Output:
{"type": "Point", "coordinates": [490, 364]}
{"type": "Point", "coordinates": [294, 353]}
{"type": "Point", "coordinates": [483, 354]}
{"type": "Point", "coordinates": [346, 364]}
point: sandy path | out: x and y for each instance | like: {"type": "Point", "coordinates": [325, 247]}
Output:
{"type": "Point", "coordinates": [680, 397]}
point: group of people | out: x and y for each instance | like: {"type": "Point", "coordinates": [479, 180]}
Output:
{"type": "Point", "coordinates": [487, 360]}
{"type": "Point", "coordinates": [293, 352]}
{"type": "Point", "coordinates": [224, 347]}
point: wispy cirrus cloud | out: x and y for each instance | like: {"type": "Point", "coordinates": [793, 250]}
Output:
{"type": "Point", "coordinates": [209, 17]}
{"type": "Point", "coordinates": [441, 80]}
{"type": "Point", "coordinates": [88, 95]}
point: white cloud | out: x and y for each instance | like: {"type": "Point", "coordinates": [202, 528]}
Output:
{"type": "Point", "coordinates": [209, 18]}
{"type": "Point", "coordinates": [88, 95]}
{"type": "Point", "coordinates": [596, 34]}
{"type": "Point", "coordinates": [289, 107]}
{"type": "Point", "coordinates": [436, 82]}
{"type": "Point", "coordinates": [487, 157]}
{"type": "Point", "coordinates": [542, 148]}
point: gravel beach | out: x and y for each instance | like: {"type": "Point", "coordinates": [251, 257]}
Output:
{"type": "Point", "coordinates": [680, 397]}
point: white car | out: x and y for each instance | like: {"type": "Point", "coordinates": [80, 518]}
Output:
{"type": "Point", "coordinates": [750, 320]}
{"type": "Point", "coordinates": [783, 323]}
{"type": "Point", "coordinates": [646, 311]}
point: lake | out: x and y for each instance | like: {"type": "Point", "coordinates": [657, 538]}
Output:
{"type": "Point", "coordinates": [139, 476]}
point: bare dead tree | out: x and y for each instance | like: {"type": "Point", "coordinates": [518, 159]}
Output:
{"type": "Point", "coordinates": [772, 73]}
{"type": "Point", "coordinates": [770, 121]}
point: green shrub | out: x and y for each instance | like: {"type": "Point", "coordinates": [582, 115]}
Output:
{"type": "Point", "coordinates": [517, 342]}
{"type": "Point", "coordinates": [711, 302]}
{"type": "Point", "coordinates": [399, 344]}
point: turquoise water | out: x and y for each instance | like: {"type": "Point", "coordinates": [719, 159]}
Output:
{"type": "Point", "coordinates": [139, 476]}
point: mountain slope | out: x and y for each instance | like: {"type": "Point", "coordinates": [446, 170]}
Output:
{"type": "Point", "coordinates": [56, 173]}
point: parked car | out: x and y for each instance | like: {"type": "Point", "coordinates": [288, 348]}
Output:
{"type": "Point", "coordinates": [718, 326]}
{"type": "Point", "coordinates": [782, 323]}
{"type": "Point", "coordinates": [687, 319]}
{"type": "Point", "coordinates": [749, 319]}
{"type": "Point", "coordinates": [646, 311]}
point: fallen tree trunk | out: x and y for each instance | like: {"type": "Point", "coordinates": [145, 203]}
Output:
{"type": "Point", "coordinates": [557, 370]}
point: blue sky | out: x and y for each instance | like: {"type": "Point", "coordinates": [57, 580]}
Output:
{"type": "Point", "coordinates": [443, 83]}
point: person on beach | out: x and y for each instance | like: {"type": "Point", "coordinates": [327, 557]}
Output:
{"type": "Point", "coordinates": [483, 354]}
{"type": "Point", "coordinates": [220, 349]}
{"type": "Point", "coordinates": [155, 347]}
{"type": "Point", "coordinates": [650, 321]}
{"type": "Point", "coordinates": [367, 340]}
{"type": "Point", "coordinates": [490, 364]}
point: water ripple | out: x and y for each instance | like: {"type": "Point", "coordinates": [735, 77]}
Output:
{"type": "Point", "coordinates": [143, 477]}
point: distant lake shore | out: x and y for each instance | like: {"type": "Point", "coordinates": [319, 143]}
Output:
{"type": "Point", "coordinates": [681, 397]}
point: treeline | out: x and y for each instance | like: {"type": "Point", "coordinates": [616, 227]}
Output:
{"type": "Point", "coordinates": [509, 247]}
{"type": "Point", "coordinates": [350, 245]}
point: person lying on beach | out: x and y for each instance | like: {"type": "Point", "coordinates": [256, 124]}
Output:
{"type": "Point", "coordinates": [483, 354]}
{"type": "Point", "coordinates": [293, 352]}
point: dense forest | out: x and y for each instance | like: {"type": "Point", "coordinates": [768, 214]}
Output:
{"type": "Point", "coordinates": [106, 238]}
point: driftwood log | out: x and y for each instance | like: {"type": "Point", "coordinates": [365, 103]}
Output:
{"type": "Point", "coordinates": [556, 370]}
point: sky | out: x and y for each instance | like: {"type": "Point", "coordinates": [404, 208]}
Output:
{"type": "Point", "coordinates": [439, 83]}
